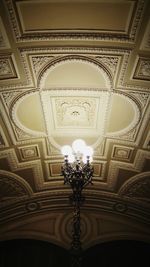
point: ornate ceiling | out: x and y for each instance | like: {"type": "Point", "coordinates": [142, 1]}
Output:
{"type": "Point", "coordinates": [74, 69]}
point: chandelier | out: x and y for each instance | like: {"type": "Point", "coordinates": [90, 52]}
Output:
{"type": "Point", "coordinates": [78, 172]}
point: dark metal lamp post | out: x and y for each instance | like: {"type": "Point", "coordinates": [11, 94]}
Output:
{"type": "Point", "coordinates": [78, 173]}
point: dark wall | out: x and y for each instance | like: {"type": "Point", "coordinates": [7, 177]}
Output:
{"type": "Point", "coordinates": [34, 253]}
{"type": "Point", "coordinates": [24, 253]}
{"type": "Point", "coordinates": [123, 253]}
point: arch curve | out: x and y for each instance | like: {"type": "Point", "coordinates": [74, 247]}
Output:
{"type": "Point", "coordinates": [12, 185]}
{"type": "Point", "coordinates": [75, 58]}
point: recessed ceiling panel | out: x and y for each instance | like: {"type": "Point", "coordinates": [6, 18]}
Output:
{"type": "Point", "coordinates": [79, 112]}
{"type": "Point", "coordinates": [71, 113]}
{"type": "Point", "coordinates": [124, 114]}
{"type": "Point", "coordinates": [75, 73]}
{"type": "Point", "coordinates": [28, 114]}
{"type": "Point", "coordinates": [46, 15]}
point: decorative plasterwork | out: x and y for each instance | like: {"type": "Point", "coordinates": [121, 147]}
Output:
{"type": "Point", "coordinates": [17, 122]}
{"type": "Point", "coordinates": [36, 156]}
{"type": "Point", "coordinates": [147, 141]}
{"type": "Point", "coordinates": [53, 170]}
{"type": "Point", "coordinates": [53, 55]}
{"type": "Point", "coordinates": [56, 227]}
{"type": "Point", "coordinates": [3, 140]}
{"type": "Point", "coordinates": [137, 116]}
{"type": "Point", "coordinates": [134, 135]}
{"type": "Point", "coordinates": [75, 112]}
{"type": "Point", "coordinates": [122, 153]}
{"type": "Point", "coordinates": [91, 56]}
{"type": "Point", "coordinates": [21, 135]}
{"type": "Point", "coordinates": [86, 98]}
{"type": "Point", "coordinates": [29, 152]}
{"type": "Point", "coordinates": [136, 166]}
{"type": "Point", "coordinates": [77, 34]}
{"type": "Point", "coordinates": [96, 53]}
{"type": "Point", "coordinates": [106, 64]}
{"type": "Point", "coordinates": [100, 167]}
{"type": "Point", "coordinates": [15, 165]}
{"type": "Point", "coordinates": [137, 187]}
{"type": "Point", "coordinates": [18, 136]}
{"type": "Point", "coordinates": [9, 97]}
{"type": "Point", "coordinates": [142, 70]}
{"type": "Point", "coordinates": [7, 68]}
{"type": "Point", "coordinates": [13, 186]}
{"type": "Point", "coordinates": [65, 110]}
{"type": "Point", "coordinates": [145, 45]}
{"type": "Point", "coordinates": [142, 98]}
{"type": "Point", "coordinates": [105, 72]}
{"type": "Point", "coordinates": [112, 63]}
{"type": "Point", "coordinates": [39, 62]}
{"type": "Point", "coordinates": [4, 43]}
{"type": "Point", "coordinates": [53, 178]}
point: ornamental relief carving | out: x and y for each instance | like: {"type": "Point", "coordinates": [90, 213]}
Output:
{"type": "Point", "coordinates": [3, 139]}
{"type": "Point", "coordinates": [2, 143]}
{"type": "Point", "coordinates": [21, 135]}
{"type": "Point", "coordinates": [137, 187]}
{"type": "Point", "coordinates": [10, 188]}
{"type": "Point", "coordinates": [137, 166]}
{"type": "Point", "coordinates": [144, 68]}
{"type": "Point", "coordinates": [2, 42]}
{"type": "Point", "coordinates": [148, 41]}
{"type": "Point", "coordinates": [142, 98]}
{"type": "Point", "coordinates": [13, 186]}
{"type": "Point", "coordinates": [110, 62]}
{"type": "Point", "coordinates": [5, 68]}
{"type": "Point", "coordinates": [70, 108]}
{"type": "Point", "coordinates": [103, 70]}
{"type": "Point", "coordinates": [9, 97]}
{"type": "Point", "coordinates": [77, 35]}
{"type": "Point", "coordinates": [39, 62]}
{"type": "Point", "coordinates": [44, 66]}
{"type": "Point", "coordinates": [75, 112]}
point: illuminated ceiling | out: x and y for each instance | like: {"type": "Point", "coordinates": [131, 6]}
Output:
{"type": "Point", "coordinates": [73, 69]}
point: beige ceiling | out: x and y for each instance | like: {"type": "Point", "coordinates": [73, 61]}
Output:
{"type": "Point", "coordinates": [74, 69]}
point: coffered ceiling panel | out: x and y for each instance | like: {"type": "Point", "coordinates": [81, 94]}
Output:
{"type": "Point", "coordinates": [74, 69]}
{"type": "Point", "coordinates": [76, 15]}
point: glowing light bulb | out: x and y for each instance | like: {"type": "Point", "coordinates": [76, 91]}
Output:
{"type": "Point", "coordinates": [78, 146]}
{"type": "Point", "coordinates": [71, 158]}
{"type": "Point", "coordinates": [66, 150]}
{"type": "Point", "coordinates": [88, 151]}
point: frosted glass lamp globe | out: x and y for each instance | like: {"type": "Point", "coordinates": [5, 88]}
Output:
{"type": "Point", "coordinates": [78, 146]}
{"type": "Point", "coordinates": [88, 151]}
{"type": "Point", "coordinates": [66, 150]}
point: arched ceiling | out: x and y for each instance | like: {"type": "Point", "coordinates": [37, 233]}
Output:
{"type": "Point", "coordinates": [74, 69]}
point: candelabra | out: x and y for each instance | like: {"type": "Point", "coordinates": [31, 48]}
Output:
{"type": "Point", "coordinates": [78, 172]}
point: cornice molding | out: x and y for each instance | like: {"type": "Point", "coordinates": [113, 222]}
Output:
{"type": "Point", "coordinates": [76, 35]}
